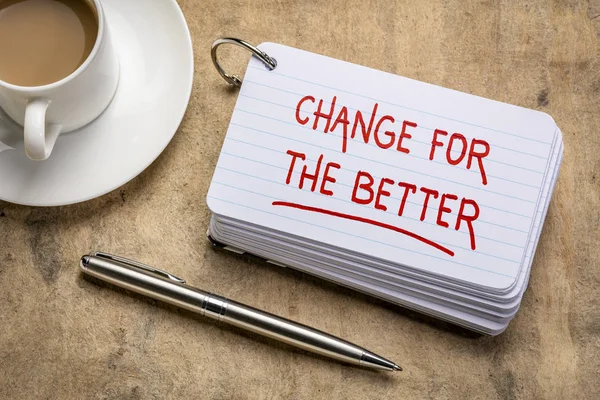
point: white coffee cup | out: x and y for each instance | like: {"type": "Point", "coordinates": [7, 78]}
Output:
{"type": "Point", "coordinates": [68, 104]}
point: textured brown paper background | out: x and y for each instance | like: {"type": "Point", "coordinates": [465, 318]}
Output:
{"type": "Point", "coordinates": [65, 337]}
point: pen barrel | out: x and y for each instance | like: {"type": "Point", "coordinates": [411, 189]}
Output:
{"type": "Point", "coordinates": [290, 332]}
{"type": "Point", "coordinates": [224, 310]}
{"type": "Point", "coordinates": [146, 283]}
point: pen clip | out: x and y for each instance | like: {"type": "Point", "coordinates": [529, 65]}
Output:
{"type": "Point", "coordinates": [140, 265]}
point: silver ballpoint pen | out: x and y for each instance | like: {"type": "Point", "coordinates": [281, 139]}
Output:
{"type": "Point", "coordinates": [161, 285]}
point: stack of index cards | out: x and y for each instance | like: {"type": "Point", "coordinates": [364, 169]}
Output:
{"type": "Point", "coordinates": [424, 196]}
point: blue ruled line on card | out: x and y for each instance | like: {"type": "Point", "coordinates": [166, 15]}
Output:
{"type": "Point", "coordinates": [408, 155]}
{"type": "Point", "coordinates": [401, 106]}
{"type": "Point", "coordinates": [360, 237]}
{"type": "Point", "coordinates": [413, 139]}
{"type": "Point", "coordinates": [349, 186]}
{"type": "Point", "coordinates": [393, 166]}
{"type": "Point", "coordinates": [349, 202]}
{"type": "Point", "coordinates": [495, 145]}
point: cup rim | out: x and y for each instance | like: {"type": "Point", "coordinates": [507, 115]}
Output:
{"type": "Point", "coordinates": [79, 70]}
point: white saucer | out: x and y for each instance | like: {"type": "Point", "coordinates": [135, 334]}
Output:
{"type": "Point", "coordinates": [157, 65]}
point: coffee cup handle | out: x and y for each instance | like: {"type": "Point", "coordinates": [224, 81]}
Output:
{"type": "Point", "coordinates": [39, 136]}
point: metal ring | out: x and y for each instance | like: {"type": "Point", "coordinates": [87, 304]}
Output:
{"type": "Point", "coordinates": [269, 62]}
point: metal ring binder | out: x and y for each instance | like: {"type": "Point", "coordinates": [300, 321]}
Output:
{"type": "Point", "coordinates": [234, 80]}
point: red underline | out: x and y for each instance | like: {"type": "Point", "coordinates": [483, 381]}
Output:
{"type": "Point", "coordinates": [366, 221]}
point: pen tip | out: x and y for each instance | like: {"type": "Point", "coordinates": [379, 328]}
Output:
{"type": "Point", "coordinates": [374, 361]}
